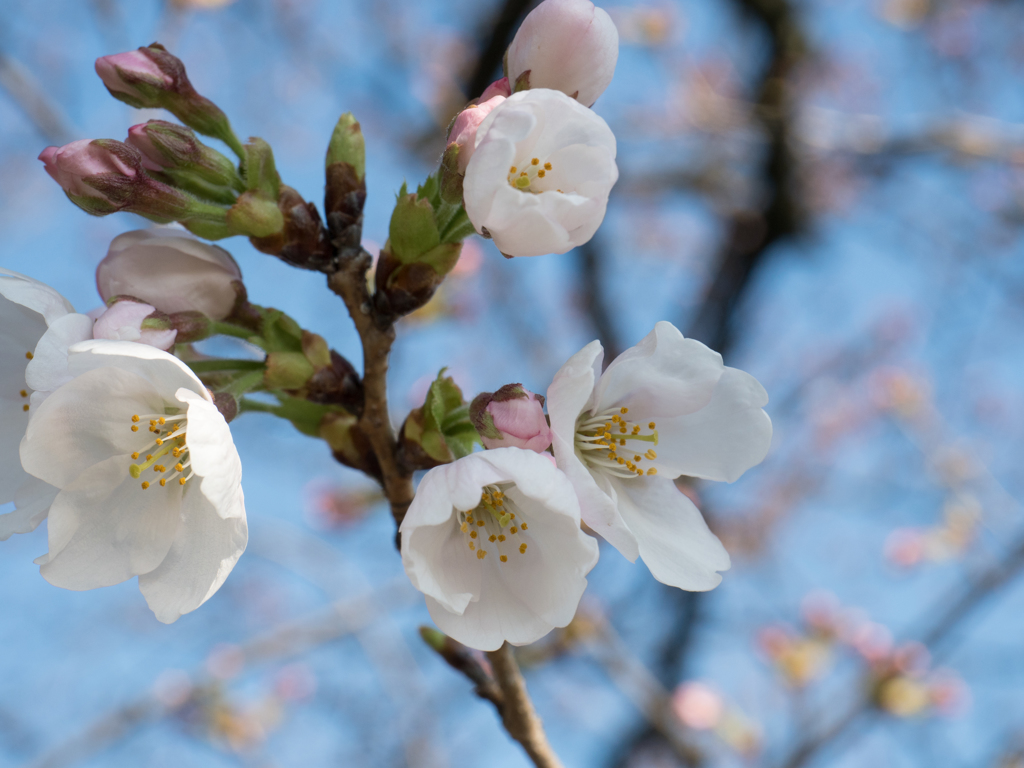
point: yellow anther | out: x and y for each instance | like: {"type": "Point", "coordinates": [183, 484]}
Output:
{"type": "Point", "coordinates": [135, 428]}
{"type": "Point", "coordinates": [623, 410]}
{"type": "Point", "coordinates": [149, 456]}
{"type": "Point", "coordinates": [652, 425]}
{"type": "Point", "coordinates": [29, 355]}
{"type": "Point", "coordinates": [540, 174]}
{"type": "Point", "coordinates": [501, 537]}
{"type": "Point", "coordinates": [651, 454]}
{"type": "Point", "coordinates": [513, 529]}
{"type": "Point", "coordinates": [622, 460]}
{"type": "Point", "coordinates": [152, 422]}
{"type": "Point", "coordinates": [535, 161]}
{"type": "Point", "coordinates": [616, 418]}
{"type": "Point", "coordinates": [524, 526]}
{"type": "Point", "coordinates": [179, 467]}
{"type": "Point", "coordinates": [176, 452]}
{"type": "Point", "coordinates": [463, 527]}
{"type": "Point", "coordinates": [145, 484]}
{"type": "Point", "coordinates": [504, 558]}
{"type": "Point", "coordinates": [161, 421]}
{"type": "Point", "coordinates": [181, 481]}
{"type": "Point", "coordinates": [24, 407]}
{"type": "Point", "coordinates": [135, 418]}
{"type": "Point", "coordinates": [512, 515]}
{"type": "Point", "coordinates": [481, 554]}
{"type": "Point", "coordinates": [622, 428]}
{"type": "Point", "coordinates": [159, 468]}
{"type": "Point", "coordinates": [522, 548]}
{"type": "Point", "coordinates": [472, 546]}
{"type": "Point", "coordinates": [23, 393]}
{"type": "Point", "coordinates": [493, 538]}
{"type": "Point", "coordinates": [547, 166]}
{"type": "Point", "coordinates": [135, 455]}
{"type": "Point", "coordinates": [479, 522]}
{"type": "Point", "coordinates": [159, 441]}
{"type": "Point", "coordinates": [652, 471]}
{"type": "Point", "coordinates": [636, 429]}
{"type": "Point", "coordinates": [163, 481]}
{"type": "Point", "coordinates": [513, 169]}
{"type": "Point", "coordinates": [472, 534]}
{"type": "Point", "coordinates": [638, 458]}
{"type": "Point", "coordinates": [622, 441]}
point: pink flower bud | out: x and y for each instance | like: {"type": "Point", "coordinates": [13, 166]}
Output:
{"type": "Point", "coordinates": [565, 45]}
{"type": "Point", "coordinates": [122, 73]}
{"type": "Point", "coordinates": [171, 270]}
{"type": "Point", "coordinates": [71, 166]}
{"type": "Point", "coordinates": [512, 416]}
{"type": "Point", "coordinates": [463, 131]}
{"type": "Point", "coordinates": [122, 321]}
{"type": "Point", "coordinates": [497, 88]}
{"type": "Point", "coordinates": [151, 157]}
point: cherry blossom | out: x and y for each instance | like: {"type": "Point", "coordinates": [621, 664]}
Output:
{"type": "Point", "coordinates": [494, 542]}
{"type": "Point", "coordinates": [148, 476]}
{"type": "Point", "coordinates": [540, 174]}
{"type": "Point", "coordinates": [664, 408]}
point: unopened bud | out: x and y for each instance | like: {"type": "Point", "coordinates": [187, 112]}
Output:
{"type": "Point", "coordinates": [127, 319]}
{"type": "Point", "coordinates": [565, 45]}
{"type": "Point", "coordinates": [463, 131]}
{"type": "Point", "coordinates": [171, 270]}
{"type": "Point", "coordinates": [348, 146]}
{"type": "Point", "coordinates": [256, 213]}
{"type": "Point", "coordinates": [152, 78]}
{"type": "Point", "coordinates": [349, 443]}
{"type": "Point", "coordinates": [512, 416]}
{"type": "Point", "coordinates": [174, 151]}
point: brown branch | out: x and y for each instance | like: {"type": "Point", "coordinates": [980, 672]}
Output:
{"type": "Point", "coordinates": [517, 712]}
{"type": "Point", "coordinates": [30, 96]}
{"type": "Point", "coordinates": [591, 266]}
{"type": "Point", "coordinates": [377, 337]}
{"type": "Point", "coordinates": [501, 26]}
{"type": "Point", "coordinates": [960, 606]}
{"type": "Point", "coordinates": [751, 232]}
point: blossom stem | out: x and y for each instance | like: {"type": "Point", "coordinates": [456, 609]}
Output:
{"type": "Point", "coordinates": [230, 329]}
{"type": "Point", "coordinates": [223, 364]}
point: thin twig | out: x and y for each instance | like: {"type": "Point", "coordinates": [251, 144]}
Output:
{"type": "Point", "coordinates": [29, 95]}
{"type": "Point", "coordinates": [517, 712]}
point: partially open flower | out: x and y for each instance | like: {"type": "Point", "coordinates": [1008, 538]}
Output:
{"type": "Point", "coordinates": [494, 542]}
{"type": "Point", "coordinates": [171, 270]}
{"type": "Point", "coordinates": [664, 408]}
{"type": "Point", "coordinates": [568, 45]}
{"type": "Point", "coordinates": [540, 175]}
{"type": "Point", "coordinates": [132, 74]}
{"type": "Point", "coordinates": [29, 313]}
{"type": "Point", "coordinates": [149, 478]}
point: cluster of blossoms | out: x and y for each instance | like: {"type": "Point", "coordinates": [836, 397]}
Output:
{"type": "Point", "coordinates": [114, 440]}
{"type": "Point", "coordinates": [120, 426]}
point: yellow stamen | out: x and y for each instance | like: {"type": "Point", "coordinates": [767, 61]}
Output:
{"type": "Point", "coordinates": [535, 161]}
{"type": "Point", "coordinates": [145, 484]}
{"type": "Point", "coordinates": [24, 407]}
{"type": "Point", "coordinates": [504, 558]}
{"type": "Point", "coordinates": [29, 355]}
{"type": "Point", "coordinates": [522, 548]}
{"type": "Point", "coordinates": [481, 554]}
{"type": "Point", "coordinates": [652, 471]}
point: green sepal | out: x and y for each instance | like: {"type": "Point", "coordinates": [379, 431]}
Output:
{"type": "Point", "coordinates": [348, 145]}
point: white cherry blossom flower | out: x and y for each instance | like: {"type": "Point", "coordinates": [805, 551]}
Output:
{"type": "Point", "coordinates": [540, 175]}
{"type": "Point", "coordinates": [149, 478]}
{"type": "Point", "coordinates": [664, 408]}
{"type": "Point", "coordinates": [494, 542]}
{"type": "Point", "coordinates": [36, 324]}
{"type": "Point", "coordinates": [568, 45]}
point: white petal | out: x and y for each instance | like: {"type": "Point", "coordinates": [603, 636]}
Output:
{"type": "Point", "coordinates": [550, 576]}
{"type": "Point", "coordinates": [723, 439]}
{"type": "Point", "coordinates": [674, 540]}
{"type": "Point", "coordinates": [104, 528]}
{"type": "Point", "coordinates": [572, 388]}
{"type": "Point", "coordinates": [436, 559]}
{"type": "Point", "coordinates": [165, 373]}
{"type": "Point", "coordinates": [213, 454]}
{"type": "Point", "coordinates": [49, 366]}
{"type": "Point", "coordinates": [86, 421]}
{"type": "Point", "coordinates": [497, 616]}
{"type": "Point", "coordinates": [33, 295]}
{"type": "Point", "coordinates": [32, 503]}
{"type": "Point", "coordinates": [13, 421]}
{"type": "Point", "coordinates": [204, 551]}
{"type": "Point", "coordinates": [663, 376]}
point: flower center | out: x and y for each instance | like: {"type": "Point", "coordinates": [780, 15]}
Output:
{"type": "Point", "coordinates": [610, 443]}
{"type": "Point", "coordinates": [495, 520]}
{"type": "Point", "coordinates": [523, 178]}
{"type": "Point", "coordinates": [167, 455]}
